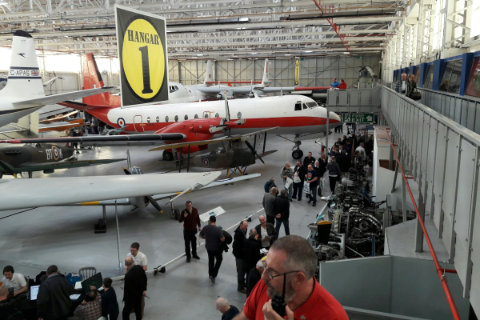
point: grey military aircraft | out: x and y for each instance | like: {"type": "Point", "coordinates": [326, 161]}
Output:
{"type": "Point", "coordinates": [44, 157]}
{"type": "Point", "coordinates": [234, 153]}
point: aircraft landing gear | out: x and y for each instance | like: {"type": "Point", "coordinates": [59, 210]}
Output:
{"type": "Point", "coordinates": [167, 155]}
{"type": "Point", "coordinates": [297, 153]}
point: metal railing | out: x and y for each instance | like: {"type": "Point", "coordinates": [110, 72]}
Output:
{"type": "Point", "coordinates": [443, 156]}
{"type": "Point", "coordinates": [354, 100]}
{"type": "Point", "coordinates": [462, 109]}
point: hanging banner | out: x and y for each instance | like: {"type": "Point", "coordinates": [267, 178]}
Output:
{"type": "Point", "coordinates": [142, 51]}
{"type": "Point", "coordinates": [297, 71]}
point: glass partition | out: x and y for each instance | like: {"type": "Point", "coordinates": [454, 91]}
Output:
{"type": "Point", "coordinates": [473, 85]}
{"type": "Point", "coordinates": [450, 81]}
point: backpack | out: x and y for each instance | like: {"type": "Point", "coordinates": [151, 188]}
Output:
{"type": "Point", "coordinates": [228, 237]}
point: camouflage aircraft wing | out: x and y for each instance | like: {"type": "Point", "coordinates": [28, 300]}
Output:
{"type": "Point", "coordinates": [28, 193]}
{"type": "Point", "coordinates": [100, 138]}
{"type": "Point", "coordinates": [205, 142]}
{"type": "Point", "coordinates": [35, 166]}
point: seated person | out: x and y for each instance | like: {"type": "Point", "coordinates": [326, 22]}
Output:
{"type": "Point", "coordinates": [9, 308]}
{"type": "Point", "coordinates": [14, 280]}
{"type": "Point", "coordinates": [254, 275]}
{"type": "Point", "coordinates": [90, 308]}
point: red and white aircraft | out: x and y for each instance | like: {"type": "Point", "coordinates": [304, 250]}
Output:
{"type": "Point", "coordinates": [296, 115]}
{"type": "Point", "coordinates": [200, 121]}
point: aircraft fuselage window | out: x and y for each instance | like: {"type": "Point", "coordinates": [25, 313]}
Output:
{"type": "Point", "coordinates": [158, 119]}
{"type": "Point", "coordinates": [166, 118]}
{"type": "Point", "coordinates": [206, 115]}
{"type": "Point", "coordinates": [186, 117]}
{"type": "Point", "coordinates": [195, 116]}
{"type": "Point", "coordinates": [239, 115]}
{"type": "Point", "coordinates": [298, 106]}
{"type": "Point", "coordinates": [176, 118]}
{"type": "Point", "coordinates": [148, 119]}
{"type": "Point", "coordinates": [217, 115]}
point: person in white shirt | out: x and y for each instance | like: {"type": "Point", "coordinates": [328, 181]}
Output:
{"type": "Point", "coordinates": [14, 280]}
{"type": "Point", "coordinates": [139, 258]}
{"type": "Point", "coordinates": [361, 151]}
{"type": "Point", "coordinates": [401, 84]}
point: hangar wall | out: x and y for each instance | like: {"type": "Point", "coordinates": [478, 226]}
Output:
{"type": "Point", "coordinates": [316, 71]}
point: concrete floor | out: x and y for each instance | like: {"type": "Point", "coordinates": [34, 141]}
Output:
{"type": "Point", "coordinates": [33, 239]}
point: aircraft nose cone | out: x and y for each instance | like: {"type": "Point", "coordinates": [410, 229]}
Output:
{"type": "Point", "coordinates": [334, 116]}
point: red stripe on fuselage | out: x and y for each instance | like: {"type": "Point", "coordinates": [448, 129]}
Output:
{"type": "Point", "coordinates": [260, 123]}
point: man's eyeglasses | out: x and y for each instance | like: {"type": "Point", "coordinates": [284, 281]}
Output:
{"type": "Point", "coordinates": [271, 275]}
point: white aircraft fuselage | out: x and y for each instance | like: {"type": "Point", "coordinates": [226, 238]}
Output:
{"type": "Point", "coordinates": [294, 114]}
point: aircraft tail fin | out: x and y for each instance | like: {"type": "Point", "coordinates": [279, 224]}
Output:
{"type": "Point", "coordinates": [24, 74]}
{"type": "Point", "coordinates": [208, 73]}
{"type": "Point", "coordinates": [266, 77]}
{"type": "Point", "coordinates": [93, 79]}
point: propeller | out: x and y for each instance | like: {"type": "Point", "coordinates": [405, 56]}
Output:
{"type": "Point", "coordinates": [249, 145]}
{"type": "Point", "coordinates": [154, 203]}
{"type": "Point", "coordinates": [136, 171]}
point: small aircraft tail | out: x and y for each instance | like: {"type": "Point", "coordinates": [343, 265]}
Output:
{"type": "Point", "coordinates": [208, 73]}
{"type": "Point", "coordinates": [266, 77]}
{"type": "Point", "coordinates": [93, 79]}
{"type": "Point", "coordinates": [24, 75]}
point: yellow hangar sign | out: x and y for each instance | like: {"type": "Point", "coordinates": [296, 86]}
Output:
{"type": "Point", "coordinates": [142, 52]}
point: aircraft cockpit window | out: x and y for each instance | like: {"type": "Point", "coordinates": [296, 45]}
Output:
{"type": "Point", "coordinates": [158, 119]}
{"type": "Point", "coordinates": [166, 118]}
{"type": "Point", "coordinates": [173, 88]}
{"type": "Point", "coordinates": [176, 118]}
{"type": "Point", "coordinates": [304, 106]}
{"type": "Point", "coordinates": [298, 106]}
{"type": "Point", "coordinates": [312, 104]}
{"type": "Point", "coordinates": [186, 117]}
{"type": "Point", "coordinates": [239, 115]}
{"type": "Point", "coordinates": [195, 116]}
{"type": "Point", "coordinates": [148, 119]}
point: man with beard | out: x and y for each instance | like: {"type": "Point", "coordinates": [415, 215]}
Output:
{"type": "Point", "coordinates": [291, 264]}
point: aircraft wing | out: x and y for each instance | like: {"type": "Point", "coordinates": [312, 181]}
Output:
{"type": "Point", "coordinates": [58, 165]}
{"type": "Point", "coordinates": [41, 101]}
{"type": "Point", "coordinates": [243, 90]}
{"type": "Point", "coordinates": [60, 125]}
{"type": "Point", "coordinates": [205, 142]}
{"type": "Point", "coordinates": [27, 193]}
{"type": "Point", "coordinates": [161, 196]}
{"type": "Point", "coordinates": [100, 138]}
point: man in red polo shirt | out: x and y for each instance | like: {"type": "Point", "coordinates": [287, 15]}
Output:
{"type": "Point", "coordinates": [289, 273]}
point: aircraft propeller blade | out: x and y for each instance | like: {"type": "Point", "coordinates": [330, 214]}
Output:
{"type": "Point", "coordinates": [249, 145]}
{"type": "Point", "coordinates": [154, 203]}
{"type": "Point", "coordinates": [227, 108]}
{"type": "Point", "coordinates": [129, 163]}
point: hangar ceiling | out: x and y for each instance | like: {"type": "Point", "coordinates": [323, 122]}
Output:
{"type": "Point", "coordinates": [217, 29]}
